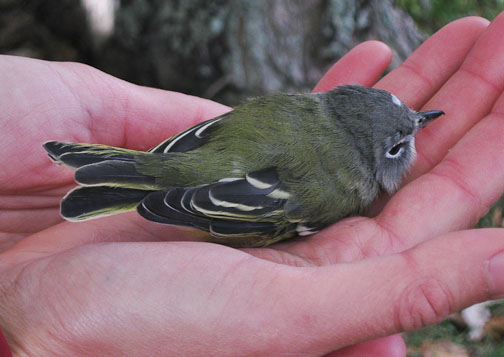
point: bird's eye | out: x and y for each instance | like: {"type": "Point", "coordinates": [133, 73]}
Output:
{"type": "Point", "coordinates": [395, 151]}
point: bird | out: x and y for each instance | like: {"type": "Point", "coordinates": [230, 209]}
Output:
{"type": "Point", "coordinates": [273, 168]}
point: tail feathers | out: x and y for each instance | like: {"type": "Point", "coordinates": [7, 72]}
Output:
{"type": "Point", "coordinates": [102, 165]}
{"type": "Point", "coordinates": [114, 173]}
{"type": "Point", "coordinates": [77, 155]}
{"type": "Point", "coordinates": [85, 203]}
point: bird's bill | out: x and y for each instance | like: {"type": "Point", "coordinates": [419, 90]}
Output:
{"type": "Point", "coordinates": [428, 116]}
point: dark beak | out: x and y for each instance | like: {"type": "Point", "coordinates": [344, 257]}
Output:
{"type": "Point", "coordinates": [427, 117]}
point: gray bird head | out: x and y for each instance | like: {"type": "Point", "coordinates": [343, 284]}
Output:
{"type": "Point", "coordinates": [383, 127]}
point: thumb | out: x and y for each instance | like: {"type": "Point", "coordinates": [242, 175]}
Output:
{"type": "Point", "coordinates": [381, 296]}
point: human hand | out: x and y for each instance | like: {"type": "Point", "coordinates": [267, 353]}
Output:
{"type": "Point", "coordinates": [107, 284]}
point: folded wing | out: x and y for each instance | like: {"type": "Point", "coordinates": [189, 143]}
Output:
{"type": "Point", "coordinates": [231, 208]}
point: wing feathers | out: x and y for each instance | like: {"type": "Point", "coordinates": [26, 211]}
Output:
{"type": "Point", "coordinates": [188, 140]}
{"type": "Point", "coordinates": [239, 199]}
{"type": "Point", "coordinates": [227, 228]}
{"type": "Point", "coordinates": [154, 208]}
{"type": "Point", "coordinates": [263, 178]}
{"type": "Point", "coordinates": [229, 207]}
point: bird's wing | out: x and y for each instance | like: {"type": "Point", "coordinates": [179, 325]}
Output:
{"type": "Point", "coordinates": [189, 139]}
{"type": "Point", "coordinates": [231, 208]}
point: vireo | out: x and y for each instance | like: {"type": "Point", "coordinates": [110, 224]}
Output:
{"type": "Point", "coordinates": [275, 167]}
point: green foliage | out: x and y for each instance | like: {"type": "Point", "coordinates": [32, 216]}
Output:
{"type": "Point", "coordinates": [442, 331]}
{"type": "Point", "coordinates": [448, 331]}
{"type": "Point", "coordinates": [431, 15]}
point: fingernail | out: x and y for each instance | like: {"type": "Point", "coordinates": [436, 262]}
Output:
{"type": "Point", "coordinates": [496, 274]}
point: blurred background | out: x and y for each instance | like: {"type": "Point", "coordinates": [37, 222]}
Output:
{"type": "Point", "coordinates": [223, 50]}
{"type": "Point", "coordinates": [230, 50]}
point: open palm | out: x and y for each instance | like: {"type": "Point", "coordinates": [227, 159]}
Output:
{"type": "Point", "coordinates": [125, 285]}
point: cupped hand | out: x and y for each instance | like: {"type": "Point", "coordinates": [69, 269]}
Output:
{"type": "Point", "coordinates": [123, 285]}
{"type": "Point", "coordinates": [71, 102]}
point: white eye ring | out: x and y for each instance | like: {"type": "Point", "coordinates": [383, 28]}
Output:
{"type": "Point", "coordinates": [392, 154]}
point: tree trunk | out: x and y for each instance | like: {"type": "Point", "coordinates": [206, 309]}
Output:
{"type": "Point", "coordinates": [223, 50]}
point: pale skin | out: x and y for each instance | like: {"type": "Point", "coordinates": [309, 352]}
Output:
{"type": "Point", "coordinates": [122, 285]}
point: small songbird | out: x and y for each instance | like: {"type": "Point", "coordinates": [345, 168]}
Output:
{"type": "Point", "coordinates": [273, 168]}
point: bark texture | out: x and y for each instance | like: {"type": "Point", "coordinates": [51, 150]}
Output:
{"type": "Point", "coordinates": [222, 49]}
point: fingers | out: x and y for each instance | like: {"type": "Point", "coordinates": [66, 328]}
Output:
{"type": "Point", "coordinates": [466, 98]}
{"type": "Point", "coordinates": [381, 296]}
{"type": "Point", "coordinates": [470, 178]}
{"type": "Point", "coordinates": [440, 67]}
{"type": "Point", "coordinates": [434, 62]}
{"type": "Point", "coordinates": [364, 64]}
